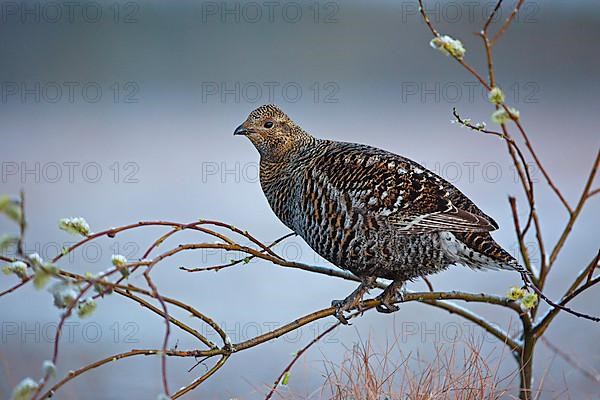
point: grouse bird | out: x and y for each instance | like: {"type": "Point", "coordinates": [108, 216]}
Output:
{"type": "Point", "coordinates": [368, 211]}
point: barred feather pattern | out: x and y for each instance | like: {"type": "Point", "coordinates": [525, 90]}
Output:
{"type": "Point", "coordinates": [367, 210]}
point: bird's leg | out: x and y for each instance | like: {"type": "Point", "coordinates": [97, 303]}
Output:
{"type": "Point", "coordinates": [353, 300]}
{"type": "Point", "coordinates": [393, 293]}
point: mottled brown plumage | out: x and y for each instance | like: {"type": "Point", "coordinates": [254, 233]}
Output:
{"type": "Point", "coordinates": [367, 210]}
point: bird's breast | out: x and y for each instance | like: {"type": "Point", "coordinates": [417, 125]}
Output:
{"type": "Point", "coordinates": [281, 188]}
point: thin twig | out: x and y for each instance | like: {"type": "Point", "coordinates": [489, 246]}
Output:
{"type": "Point", "coordinates": [238, 261]}
{"type": "Point", "coordinates": [22, 225]}
{"type": "Point", "coordinates": [573, 291]}
{"type": "Point", "coordinates": [297, 357]}
{"type": "Point", "coordinates": [571, 360]}
{"type": "Point", "coordinates": [491, 17]}
{"type": "Point", "coordinates": [575, 213]}
{"type": "Point", "coordinates": [507, 22]}
{"type": "Point", "coordinates": [529, 282]}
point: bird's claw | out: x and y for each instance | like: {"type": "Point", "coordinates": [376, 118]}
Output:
{"type": "Point", "coordinates": [342, 306]}
{"type": "Point", "coordinates": [353, 301]}
{"type": "Point", "coordinates": [387, 308]}
{"type": "Point", "coordinates": [390, 296]}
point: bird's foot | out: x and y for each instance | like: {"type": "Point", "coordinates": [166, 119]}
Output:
{"type": "Point", "coordinates": [341, 306]}
{"type": "Point", "coordinates": [392, 294]}
{"type": "Point", "coordinates": [353, 301]}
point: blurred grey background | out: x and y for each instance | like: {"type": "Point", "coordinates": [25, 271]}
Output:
{"type": "Point", "coordinates": [124, 111]}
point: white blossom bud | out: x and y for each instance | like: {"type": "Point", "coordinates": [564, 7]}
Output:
{"type": "Point", "coordinates": [41, 277]}
{"type": "Point", "coordinates": [48, 368]}
{"type": "Point", "coordinates": [43, 271]}
{"type": "Point", "coordinates": [448, 46]}
{"type": "Point", "coordinates": [516, 293]}
{"type": "Point", "coordinates": [18, 268]}
{"type": "Point", "coordinates": [36, 259]}
{"type": "Point", "coordinates": [24, 390]}
{"type": "Point", "coordinates": [86, 307]}
{"type": "Point", "coordinates": [529, 300]}
{"type": "Point", "coordinates": [119, 260]}
{"type": "Point", "coordinates": [500, 116]}
{"type": "Point", "coordinates": [63, 293]}
{"type": "Point", "coordinates": [496, 96]}
{"type": "Point", "coordinates": [75, 226]}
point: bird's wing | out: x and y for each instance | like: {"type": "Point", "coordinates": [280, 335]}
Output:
{"type": "Point", "coordinates": [397, 192]}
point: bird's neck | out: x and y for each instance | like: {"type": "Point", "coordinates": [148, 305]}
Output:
{"type": "Point", "coordinates": [287, 151]}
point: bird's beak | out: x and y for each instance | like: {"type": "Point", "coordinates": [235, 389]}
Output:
{"type": "Point", "coordinates": [240, 130]}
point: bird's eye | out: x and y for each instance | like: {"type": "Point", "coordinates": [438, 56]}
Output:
{"type": "Point", "coordinates": [268, 124]}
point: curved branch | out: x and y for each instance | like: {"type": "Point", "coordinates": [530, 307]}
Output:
{"type": "Point", "coordinates": [197, 382]}
{"type": "Point", "coordinates": [297, 357]}
{"type": "Point", "coordinates": [431, 298]}
{"type": "Point", "coordinates": [173, 320]}
{"type": "Point", "coordinates": [575, 213]}
{"type": "Point", "coordinates": [573, 291]}
{"type": "Point", "coordinates": [436, 299]}
{"type": "Point", "coordinates": [73, 374]}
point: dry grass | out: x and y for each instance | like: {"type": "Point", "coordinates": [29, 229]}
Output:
{"type": "Point", "coordinates": [456, 371]}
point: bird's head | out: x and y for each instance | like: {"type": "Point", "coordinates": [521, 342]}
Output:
{"type": "Point", "coordinates": [273, 133]}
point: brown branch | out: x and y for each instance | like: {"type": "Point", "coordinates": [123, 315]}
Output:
{"type": "Point", "coordinates": [529, 282]}
{"type": "Point", "coordinates": [297, 357]}
{"type": "Point", "coordinates": [160, 240]}
{"type": "Point", "coordinates": [243, 233]}
{"type": "Point", "coordinates": [321, 270]}
{"type": "Point", "coordinates": [504, 106]}
{"type": "Point", "coordinates": [163, 304]}
{"type": "Point", "coordinates": [427, 20]}
{"type": "Point", "coordinates": [132, 353]}
{"type": "Point", "coordinates": [570, 360]}
{"type": "Point", "coordinates": [593, 192]}
{"type": "Point", "coordinates": [210, 322]}
{"type": "Point", "coordinates": [490, 18]}
{"type": "Point", "coordinates": [575, 213]}
{"type": "Point", "coordinates": [538, 161]}
{"type": "Point", "coordinates": [513, 148]}
{"type": "Point", "coordinates": [519, 234]}
{"type": "Point", "coordinates": [173, 320]}
{"type": "Point", "coordinates": [6, 259]}
{"type": "Point", "coordinates": [57, 336]}
{"type": "Point", "coordinates": [178, 226]}
{"type": "Point", "coordinates": [15, 287]}
{"type": "Point", "coordinates": [428, 283]}
{"type": "Point", "coordinates": [515, 151]}
{"type": "Point", "coordinates": [238, 261]}
{"type": "Point", "coordinates": [22, 225]}
{"type": "Point", "coordinates": [432, 298]}
{"type": "Point", "coordinates": [330, 272]}
{"type": "Point", "coordinates": [488, 51]}
{"type": "Point", "coordinates": [507, 22]}
{"type": "Point", "coordinates": [198, 382]}
{"type": "Point", "coordinates": [573, 291]}
{"type": "Point", "coordinates": [499, 334]}
{"type": "Point", "coordinates": [315, 269]}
